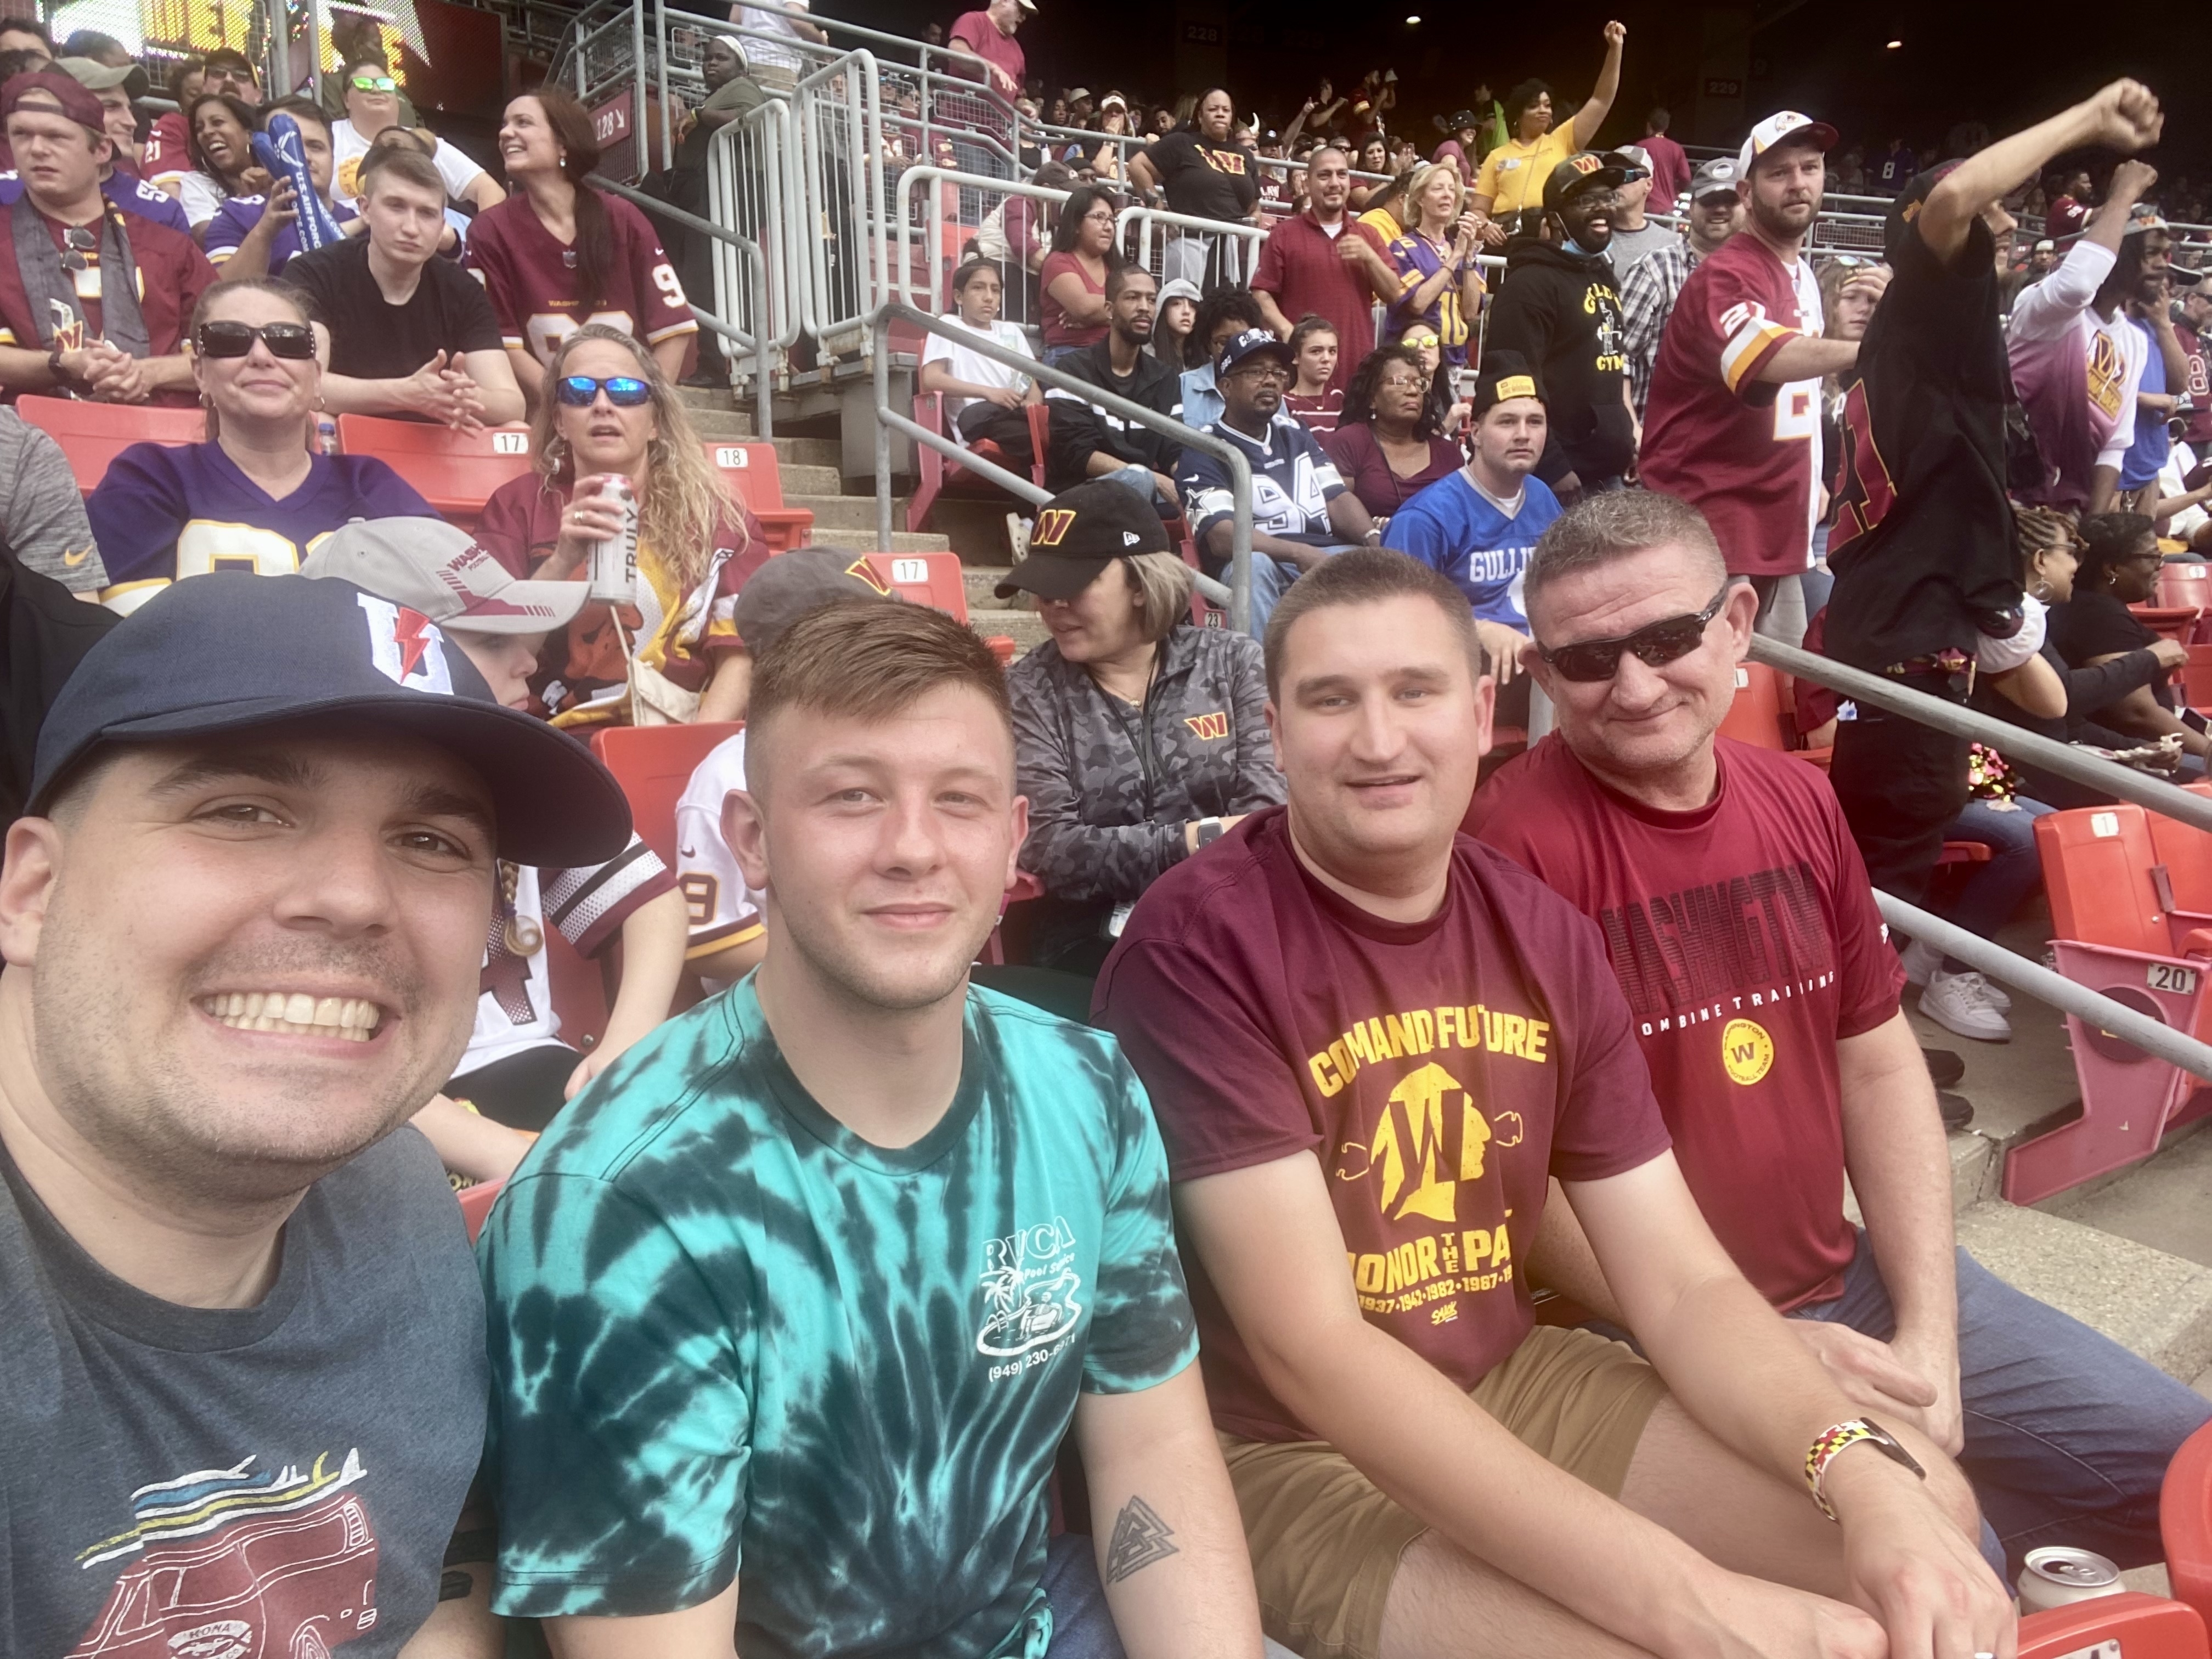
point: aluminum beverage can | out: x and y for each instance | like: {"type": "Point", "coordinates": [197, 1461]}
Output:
{"type": "Point", "coordinates": [614, 562]}
{"type": "Point", "coordinates": [2056, 1576]}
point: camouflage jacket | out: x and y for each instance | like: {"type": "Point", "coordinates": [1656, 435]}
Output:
{"type": "Point", "coordinates": [1107, 810]}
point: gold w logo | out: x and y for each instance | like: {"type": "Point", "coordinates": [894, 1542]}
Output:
{"type": "Point", "coordinates": [1052, 526]}
{"type": "Point", "coordinates": [1208, 726]}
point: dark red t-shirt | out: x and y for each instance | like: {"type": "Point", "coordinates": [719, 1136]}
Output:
{"type": "Point", "coordinates": [1746, 938]}
{"type": "Point", "coordinates": [1440, 1071]}
{"type": "Point", "coordinates": [172, 275]}
{"type": "Point", "coordinates": [1304, 267]}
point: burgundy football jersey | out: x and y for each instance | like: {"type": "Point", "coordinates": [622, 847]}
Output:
{"type": "Point", "coordinates": [1746, 452]}
{"type": "Point", "coordinates": [532, 282]}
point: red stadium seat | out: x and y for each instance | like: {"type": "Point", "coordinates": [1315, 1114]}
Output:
{"type": "Point", "coordinates": [2184, 1521]}
{"type": "Point", "coordinates": [2185, 585]}
{"type": "Point", "coordinates": [654, 765]}
{"type": "Point", "coordinates": [2108, 890]}
{"type": "Point", "coordinates": [579, 988]}
{"type": "Point", "coordinates": [2124, 1627]}
{"type": "Point", "coordinates": [751, 471]}
{"type": "Point", "coordinates": [936, 474]}
{"type": "Point", "coordinates": [93, 434]}
{"type": "Point", "coordinates": [476, 1204]}
{"type": "Point", "coordinates": [930, 579]}
{"type": "Point", "coordinates": [1756, 715]}
{"type": "Point", "coordinates": [455, 472]}
{"type": "Point", "coordinates": [2177, 623]}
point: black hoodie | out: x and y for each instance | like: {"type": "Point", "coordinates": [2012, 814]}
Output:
{"type": "Point", "coordinates": [1561, 311]}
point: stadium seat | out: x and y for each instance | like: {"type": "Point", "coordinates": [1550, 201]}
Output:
{"type": "Point", "coordinates": [2185, 585]}
{"type": "Point", "coordinates": [755, 477]}
{"type": "Point", "coordinates": [476, 1204]}
{"type": "Point", "coordinates": [1756, 715]}
{"type": "Point", "coordinates": [578, 987]}
{"type": "Point", "coordinates": [937, 475]}
{"type": "Point", "coordinates": [2184, 1521]}
{"type": "Point", "coordinates": [654, 765]}
{"type": "Point", "coordinates": [455, 472]}
{"type": "Point", "coordinates": [2106, 884]}
{"type": "Point", "coordinates": [93, 434]}
{"type": "Point", "coordinates": [2175, 622]}
{"type": "Point", "coordinates": [935, 580]}
{"type": "Point", "coordinates": [2129, 1626]}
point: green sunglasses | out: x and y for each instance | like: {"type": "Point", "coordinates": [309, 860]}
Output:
{"type": "Point", "coordinates": [375, 83]}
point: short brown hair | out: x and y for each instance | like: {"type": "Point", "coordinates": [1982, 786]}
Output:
{"type": "Point", "coordinates": [408, 165]}
{"type": "Point", "coordinates": [869, 662]}
{"type": "Point", "coordinates": [1599, 529]}
{"type": "Point", "coordinates": [1367, 576]}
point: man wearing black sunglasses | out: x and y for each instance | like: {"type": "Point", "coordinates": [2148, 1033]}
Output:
{"type": "Point", "coordinates": [92, 305]}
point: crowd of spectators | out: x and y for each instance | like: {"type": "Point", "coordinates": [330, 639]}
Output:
{"type": "Point", "coordinates": [813, 1285]}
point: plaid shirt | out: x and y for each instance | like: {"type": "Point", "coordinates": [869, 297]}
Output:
{"type": "Point", "coordinates": [1646, 299]}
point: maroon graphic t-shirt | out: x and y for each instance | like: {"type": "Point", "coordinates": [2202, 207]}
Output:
{"type": "Point", "coordinates": [1439, 1070]}
{"type": "Point", "coordinates": [1746, 938]}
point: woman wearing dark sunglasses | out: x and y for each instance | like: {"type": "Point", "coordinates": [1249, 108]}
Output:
{"type": "Point", "coordinates": [673, 656]}
{"type": "Point", "coordinates": [256, 494]}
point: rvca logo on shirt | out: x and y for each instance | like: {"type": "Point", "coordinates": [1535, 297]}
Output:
{"type": "Point", "coordinates": [1032, 1295]}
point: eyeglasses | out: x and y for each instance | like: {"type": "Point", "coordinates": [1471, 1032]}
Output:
{"type": "Point", "coordinates": [375, 83]}
{"type": "Point", "coordinates": [582, 391]}
{"type": "Point", "coordinates": [225, 339]}
{"type": "Point", "coordinates": [1401, 383]}
{"type": "Point", "coordinates": [1655, 646]}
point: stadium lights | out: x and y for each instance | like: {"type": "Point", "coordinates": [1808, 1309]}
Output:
{"type": "Point", "coordinates": [1413, 20]}
{"type": "Point", "coordinates": [1896, 46]}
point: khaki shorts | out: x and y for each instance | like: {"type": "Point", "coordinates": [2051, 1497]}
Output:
{"type": "Point", "coordinates": [1325, 1543]}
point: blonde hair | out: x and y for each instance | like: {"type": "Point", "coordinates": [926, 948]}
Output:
{"type": "Point", "coordinates": [684, 500]}
{"type": "Point", "coordinates": [1419, 181]}
{"type": "Point", "coordinates": [1163, 584]}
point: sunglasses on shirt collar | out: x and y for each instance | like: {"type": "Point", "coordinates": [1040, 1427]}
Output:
{"type": "Point", "coordinates": [225, 338]}
{"type": "Point", "coordinates": [1655, 646]}
{"type": "Point", "coordinates": [580, 391]}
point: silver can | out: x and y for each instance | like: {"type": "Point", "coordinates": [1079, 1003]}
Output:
{"type": "Point", "coordinates": [2056, 1576]}
{"type": "Point", "coordinates": [614, 562]}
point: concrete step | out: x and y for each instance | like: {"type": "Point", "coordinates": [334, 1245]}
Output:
{"type": "Point", "coordinates": [695, 398]}
{"type": "Point", "coordinates": [982, 582]}
{"type": "Point", "coordinates": [1024, 628]}
{"type": "Point", "coordinates": [843, 512]}
{"type": "Point", "coordinates": [800, 479]}
{"type": "Point", "coordinates": [2153, 1305]}
{"type": "Point", "coordinates": [865, 540]}
{"type": "Point", "coordinates": [1977, 1174]}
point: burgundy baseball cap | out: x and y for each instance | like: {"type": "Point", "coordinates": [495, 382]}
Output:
{"type": "Point", "coordinates": [69, 97]}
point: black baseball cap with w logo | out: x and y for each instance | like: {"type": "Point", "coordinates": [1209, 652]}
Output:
{"type": "Point", "coordinates": [229, 652]}
{"type": "Point", "coordinates": [1077, 533]}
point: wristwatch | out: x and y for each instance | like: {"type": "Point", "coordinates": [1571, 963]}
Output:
{"type": "Point", "coordinates": [1845, 1435]}
{"type": "Point", "coordinates": [67, 381]}
{"type": "Point", "coordinates": [1209, 831]}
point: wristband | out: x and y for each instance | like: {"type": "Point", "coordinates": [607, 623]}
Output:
{"type": "Point", "coordinates": [1840, 1438]}
{"type": "Point", "coordinates": [1209, 831]}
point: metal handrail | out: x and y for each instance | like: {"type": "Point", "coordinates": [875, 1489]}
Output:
{"type": "Point", "coordinates": [764, 417]}
{"type": "Point", "coordinates": [930, 174]}
{"type": "Point", "coordinates": [887, 421]}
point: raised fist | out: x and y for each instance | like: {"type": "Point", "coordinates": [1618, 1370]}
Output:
{"type": "Point", "coordinates": [2128, 116]}
{"type": "Point", "coordinates": [1615, 34]}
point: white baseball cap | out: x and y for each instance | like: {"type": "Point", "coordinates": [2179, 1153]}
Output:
{"type": "Point", "coordinates": [1785, 126]}
{"type": "Point", "coordinates": [433, 567]}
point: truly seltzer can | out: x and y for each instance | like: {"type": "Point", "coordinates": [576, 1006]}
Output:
{"type": "Point", "coordinates": [2055, 1575]}
{"type": "Point", "coordinates": [614, 562]}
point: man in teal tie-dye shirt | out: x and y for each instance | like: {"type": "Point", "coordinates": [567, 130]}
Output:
{"type": "Point", "coordinates": [804, 1295]}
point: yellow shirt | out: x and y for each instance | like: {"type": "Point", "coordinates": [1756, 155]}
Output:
{"type": "Point", "coordinates": [1513, 174]}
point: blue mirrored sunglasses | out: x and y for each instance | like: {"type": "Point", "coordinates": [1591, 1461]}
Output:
{"type": "Point", "coordinates": [623, 391]}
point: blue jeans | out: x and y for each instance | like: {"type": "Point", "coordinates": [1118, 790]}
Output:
{"type": "Point", "coordinates": [970, 157]}
{"type": "Point", "coordinates": [1271, 579]}
{"type": "Point", "coordinates": [1140, 479]}
{"type": "Point", "coordinates": [2068, 1434]}
{"type": "Point", "coordinates": [1993, 890]}
{"type": "Point", "coordinates": [1082, 1628]}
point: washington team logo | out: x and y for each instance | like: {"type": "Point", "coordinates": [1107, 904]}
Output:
{"type": "Point", "coordinates": [1432, 1137]}
{"type": "Point", "coordinates": [1746, 1051]}
{"type": "Point", "coordinates": [1210, 728]}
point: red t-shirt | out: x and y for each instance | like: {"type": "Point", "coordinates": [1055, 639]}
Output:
{"type": "Point", "coordinates": [168, 155]}
{"type": "Point", "coordinates": [1057, 329]}
{"type": "Point", "coordinates": [1746, 938]}
{"type": "Point", "coordinates": [524, 271]}
{"type": "Point", "coordinates": [1439, 1070]}
{"type": "Point", "coordinates": [1301, 264]}
{"type": "Point", "coordinates": [975, 32]}
{"type": "Point", "coordinates": [1670, 170]}
{"type": "Point", "coordinates": [1746, 451]}
{"type": "Point", "coordinates": [172, 275]}
{"type": "Point", "coordinates": [2199, 432]}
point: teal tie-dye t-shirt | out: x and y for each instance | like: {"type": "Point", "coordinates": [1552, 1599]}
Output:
{"type": "Point", "coordinates": [729, 1337]}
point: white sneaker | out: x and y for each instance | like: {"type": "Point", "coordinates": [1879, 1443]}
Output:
{"type": "Point", "coordinates": [1921, 961]}
{"type": "Point", "coordinates": [1993, 994]}
{"type": "Point", "coordinates": [1959, 1003]}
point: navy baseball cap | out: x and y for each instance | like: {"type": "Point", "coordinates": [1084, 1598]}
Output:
{"type": "Point", "coordinates": [1251, 344]}
{"type": "Point", "coordinates": [228, 651]}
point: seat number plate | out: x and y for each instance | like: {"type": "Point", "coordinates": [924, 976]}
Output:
{"type": "Point", "coordinates": [2106, 1649]}
{"type": "Point", "coordinates": [731, 458]}
{"type": "Point", "coordinates": [2170, 976]}
{"type": "Point", "coordinates": [910, 570]}
{"type": "Point", "coordinates": [510, 443]}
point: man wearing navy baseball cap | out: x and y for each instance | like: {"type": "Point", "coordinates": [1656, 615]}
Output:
{"type": "Point", "coordinates": [240, 940]}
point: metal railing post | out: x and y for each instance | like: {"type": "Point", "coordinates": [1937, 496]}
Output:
{"type": "Point", "coordinates": [880, 363]}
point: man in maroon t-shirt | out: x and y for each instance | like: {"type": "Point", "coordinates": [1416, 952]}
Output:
{"type": "Point", "coordinates": [1764, 993]}
{"type": "Point", "coordinates": [1371, 1044]}
{"type": "Point", "coordinates": [2195, 302]}
{"type": "Point", "coordinates": [1326, 264]}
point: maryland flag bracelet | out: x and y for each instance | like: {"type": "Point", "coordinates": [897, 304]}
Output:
{"type": "Point", "coordinates": [1824, 1449]}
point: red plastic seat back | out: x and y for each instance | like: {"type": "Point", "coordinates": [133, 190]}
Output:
{"type": "Point", "coordinates": [930, 579]}
{"type": "Point", "coordinates": [749, 469]}
{"type": "Point", "coordinates": [2186, 853]}
{"type": "Point", "coordinates": [455, 472]}
{"type": "Point", "coordinates": [2140, 1626]}
{"type": "Point", "coordinates": [1755, 716]}
{"type": "Point", "coordinates": [2183, 585]}
{"type": "Point", "coordinates": [2096, 868]}
{"type": "Point", "coordinates": [2185, 1521]}
{"type": "Point", "coordinates": [654, 765]}
{"type": "Point", "coordinates": [476, 1204]}
{"type": "Point", "coordinates": [93, 434]}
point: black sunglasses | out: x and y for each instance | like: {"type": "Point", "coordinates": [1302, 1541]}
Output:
{"type": "Point", "coordinates": [77, 241]}
{"type": "Point", "coordinates": [623, 391]}
{"type": "Point", "coordinates": [1654, 644]}
{"type": "Point", "coordinates": [234, 339]}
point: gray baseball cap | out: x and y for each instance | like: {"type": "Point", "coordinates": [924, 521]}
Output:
{"type": "Point", "coordinates": [433, 567]}
{"type": "Point", "coordinates": [1715, 178]}
{"type": "Point", "coordinates": [792, 584]}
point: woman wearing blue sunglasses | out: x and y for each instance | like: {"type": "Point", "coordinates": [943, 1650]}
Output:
{"type": "Point", "coordinates": [674, 655]}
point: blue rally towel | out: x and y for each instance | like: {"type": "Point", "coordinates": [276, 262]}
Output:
{"type": "Point", "coordinates": [277, 148]}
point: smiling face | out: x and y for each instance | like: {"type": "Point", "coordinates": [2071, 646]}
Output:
{"type": "Point", "coordinates": [602, 436]}
{"type": "Point", "coordinates": [527, 142]}
{"type": "Point", "coordinates": [246, 959]}
{"type": "Point", "coordinates": [1643, 721]}
{"type": "Point", "coordinates": [258, 390]}
{"type": "Point", "coordinates": [225, 143]}
{"type": "Point", "coordinates": [1587, 216]}
{"type": "Point", "coordinates": [1714, 217]}
{"type": "Point", "coordinates": [1379, 724]}
{"type": "Point", "coordinates": [1536, 119]}
{"type": "Point", "coordinates": [885, 846]}
{"type": "Point", "coordinates": [370, 109]}
{"type": "Point", "coordinates": [1439, 200]}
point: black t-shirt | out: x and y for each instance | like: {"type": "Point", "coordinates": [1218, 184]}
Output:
{"type": "Point", "coordinates": [1922, 541]}
{"type": "Point", "coordinates": [372, 339]}
{"type": "Point", "coordinates": [1561, 311]}
{"type": "Point", "coordinates": [283, 1479]}
{"type": "Point", "coordinates": [2095, 624]}
{"type": "Point", "coordinates": [1207, 181]}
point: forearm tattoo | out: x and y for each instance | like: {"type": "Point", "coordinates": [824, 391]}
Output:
{"type": "Point", "coordinates": [1140, 1538]}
